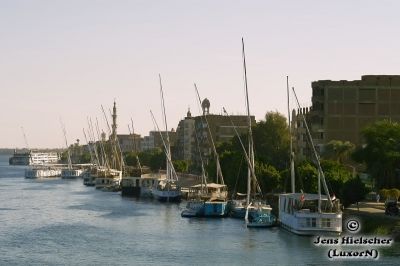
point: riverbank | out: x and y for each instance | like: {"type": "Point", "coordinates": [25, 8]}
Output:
{"type": "Point", "coordinates": [373, 220]}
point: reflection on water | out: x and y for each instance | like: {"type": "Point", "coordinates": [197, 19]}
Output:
{"type": "Point", "coordinates": [62, 222]}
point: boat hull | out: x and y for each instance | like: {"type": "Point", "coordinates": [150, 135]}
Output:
{"type": "Point", "coordinates": [177, 198]}
{"type": "Point", "coordinates": [42, 173]}
{"type": "Point", "coordinates": [305, 232]}
{"type": "Point", "coordinates": [194, 209]}
{"type": "Point", "coordinates": [130, 191]}
{"type": "Point", "coordinates": [215, 209]}
{"type": "Point", "coordinates": [257, 225]}
{"type": "Point", "coordinates": [173, 195]}
{"type": "Point", "coordinates": [190, 213]}
{"type": "Point", "coordinates": [238, 213]}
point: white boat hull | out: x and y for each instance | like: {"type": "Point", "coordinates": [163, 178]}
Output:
{"type": "Point", "coordinates": [305, 221]}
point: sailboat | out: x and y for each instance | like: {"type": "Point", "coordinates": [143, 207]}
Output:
{"type": "Point", "coordinates": [216, 204]}
{"type": "Point", "coordinates": [167, 189]}
{"type": "Point", "coordinates": [88, 178]}
{"type": "Point", "coordinates": [106, 178]}
{"type": "Point", "coordinates": [135, 182]}
{"type": "Point", "coordinates": [70, 172]}
{"type": "Point", "coordinates": [308, 213]}
{"type": "Point", "coordinates": [257, 213]}
{"type": "Point", "coordinates": [195, 205]}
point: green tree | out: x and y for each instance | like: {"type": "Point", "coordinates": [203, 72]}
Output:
{"type": "Point", "coordinates": [307, 177]}
{"type": "Point", "coordinates": [181, 166]}
{"type": "Point", "coordinates": [269, 178]}
{"type": "Point", "coordinates": [233, 166]}
{"type": "Point", "coordinates": [85, 157]}
{"type": "Point", "coordinates": [353, 191]}
{"type": "Point", "coordinates": [130, 158]}
{"type": "Point", "coordinates": [336, 175]}
{"type": "Point", "coordinates": [154, 159]}
{"type": "Point", "coordinates": [271, 140]}
{"type": "Point", "coordinates": [381, 153]}
{"type": "Point", "coordinates": [338, 150]}
{"type": "Point", "coordinates": [271, 146]}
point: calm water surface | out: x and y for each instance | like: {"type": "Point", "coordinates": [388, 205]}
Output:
{"type": "Point", "coordinates": [63, 222]}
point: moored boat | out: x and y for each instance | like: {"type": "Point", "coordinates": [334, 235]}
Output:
{"type": "Point", "coordinates": [194, 208]}
{"type": "Point", "coordinates": [299, 213]}
{"type": "Point", "coordinates": [42, 172]}
{"type": "Point", "coordinates": [309, 213]}
{"type": "Point", "coordinates": [254, 193]}
{"type": "Point", "coordinates": [108, 178]}
{"type": "Point", "coordinates": [166, 190]}
{"type": "Point", "coordinates": [259, 216]}
{"type": "Point", "coordinates": [71, 173]}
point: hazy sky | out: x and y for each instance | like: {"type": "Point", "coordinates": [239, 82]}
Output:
{"type": "Point", "coordinates": [67, 58]}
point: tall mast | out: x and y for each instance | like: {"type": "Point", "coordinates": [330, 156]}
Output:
{"type": "Point", "coordinates": [168, 146]}
{"type": "Point", "coordinates": [219, 171]}
{"type": "Point", "coordinates": [66, 144]}
{"type": "Point", "coordinates": [292, 177]}
{"type": "Point", "coordinates": [104, 155]}
{"type": "Point", "coordinates": [203, 172]}
{"type": "Point", "coordinates": [321, 173]}
{"type": "Point", "coordinates": [256, 184]}
{"type": "Point", "coordinates": [134, 145]}
{"type": "Point", "coordinates": [251, 150]}
{"type": "Point", "coordinates": [169, 162]}
{"type": "Point", "coordinates": [25, 139]}
{"type": "Point", "coordinates": [89, 148]}
{"type": "Point", "coordinates": [92, 138]}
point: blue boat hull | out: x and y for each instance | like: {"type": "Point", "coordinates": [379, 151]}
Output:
{"type": "Point", "coordinates": [215, 209]}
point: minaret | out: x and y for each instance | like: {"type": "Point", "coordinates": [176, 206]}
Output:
{"type": "Point", "coordinates": [114, 123]}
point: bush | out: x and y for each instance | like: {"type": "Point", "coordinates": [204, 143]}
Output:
{"type": "Point", "coordinates": [384, 193]}
{"type": "Point", "coordinates": [394, 193]}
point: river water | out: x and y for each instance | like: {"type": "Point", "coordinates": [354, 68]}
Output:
{"type": "Point", "coordinates": [63, 222]}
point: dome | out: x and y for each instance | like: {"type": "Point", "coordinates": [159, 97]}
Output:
{"type": "Point", "coordinates": [205, 103]}
{"type": "Point", "coordinates": [206, 106]}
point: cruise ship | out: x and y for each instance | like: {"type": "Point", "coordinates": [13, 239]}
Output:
{"type": "Point", "coordinates": [29, 157]}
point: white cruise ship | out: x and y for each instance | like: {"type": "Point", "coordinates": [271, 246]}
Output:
{"type": "Point", "coordinates": [29, 157]}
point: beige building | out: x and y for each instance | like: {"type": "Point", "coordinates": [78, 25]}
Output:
{"type": "Point", "coordinates": [154, 141]}
{"type": "Point", "coordinates": [341, 109]}
{"type": "Point", "coordinates": [185, 141]}
{"type": "Point", "coordinates": [221, 130]}
{"type": "Point", "coordinates": [129, 142]}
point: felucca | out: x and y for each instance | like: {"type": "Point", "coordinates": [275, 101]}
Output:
{"type": "Point", "coordinates": [309, 213]}
{"type": "Point", "coordinates": [167, 189]}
